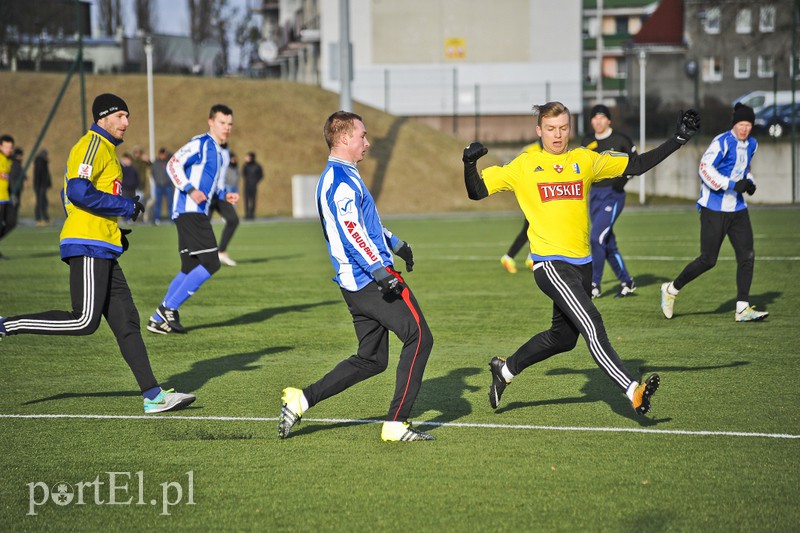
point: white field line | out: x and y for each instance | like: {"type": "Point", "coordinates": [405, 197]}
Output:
{"type": "Point", "coordinates": [627, 257]}
{"type": "Point", "coordinates": [419, 423]}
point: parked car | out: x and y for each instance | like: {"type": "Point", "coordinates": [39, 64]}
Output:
{"type": "Point", "coordinates": [776, 121]}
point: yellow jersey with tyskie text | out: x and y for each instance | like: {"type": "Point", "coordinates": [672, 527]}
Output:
{"type": "Point", "coordinates": [5, 173]}
{"type": "Point", "coordinates": [553, 192]}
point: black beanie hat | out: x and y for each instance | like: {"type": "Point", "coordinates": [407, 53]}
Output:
{"type": "Point", "coordinates": [742, 112]}
{"type": "Point", "coordinates": [600, 109]}
{"type": "Point", "coordinates": [107, 104]}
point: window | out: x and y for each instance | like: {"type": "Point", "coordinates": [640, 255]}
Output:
{"type": "Point", "coordinates": [622, 68]}
{"type": "Point", "coordinates": [766, 66]}
{"type": "Point", "coordinates": [741, 67]}
{"type": "Point", "coordinates": [711, 21]}
{"type": "Point", "coordinates": [766, 19]}
{"type": "Point", "coordinates": [744, 21]}
{"type": "Point", "coordinates": [621, 25]}
{"type": "Point", "coordinates": [712, 69]}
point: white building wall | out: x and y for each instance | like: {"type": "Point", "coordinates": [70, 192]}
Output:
{"type": "Point", "coordinates": [517, 53]}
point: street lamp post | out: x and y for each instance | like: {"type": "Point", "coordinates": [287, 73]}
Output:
{"type": "Point", "coordinates": [148, 52]}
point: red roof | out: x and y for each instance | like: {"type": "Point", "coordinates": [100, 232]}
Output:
{"type": "Point", "coordinates": [665, 25]}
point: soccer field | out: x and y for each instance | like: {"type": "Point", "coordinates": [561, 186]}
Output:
{"type": "Point", "coordinates": [564, 451]}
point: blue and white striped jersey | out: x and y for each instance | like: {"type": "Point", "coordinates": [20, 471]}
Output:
{"type": "Point", "coordinates": [197, 165]}
{"type": "Point", "coordinates": [726, 161]}
{"type": "Point", "coordinates": [357, 241]}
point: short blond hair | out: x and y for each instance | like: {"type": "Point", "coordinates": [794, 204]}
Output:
{"type": "Point", "coordinates": [338, 123]}
{"type": "Point", "coordinates": [550, 109]}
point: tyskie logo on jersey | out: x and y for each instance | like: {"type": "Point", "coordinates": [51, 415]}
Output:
{"type": "Point", "coordinates": [359, 240]}
{"type": "Point", "coordinates": [569, 190]}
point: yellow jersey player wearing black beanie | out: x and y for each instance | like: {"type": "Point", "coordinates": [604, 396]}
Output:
{"type": "Point", "coordinates": [91, 243]}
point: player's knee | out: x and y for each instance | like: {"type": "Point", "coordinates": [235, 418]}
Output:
{"type": "Point", "coordinates": [707, 262]}
{"type": "Point", "coordinates": [90, 324]}
{"type": "Point", "coordinates": [210, 262]}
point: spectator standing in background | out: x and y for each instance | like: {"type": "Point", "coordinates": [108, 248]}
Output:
{"type": "Point", "coordinates": [162, 186]}
{"type": "Point", "coordinates": [42, 181]}
{"type": "Point", "coordinates": [253, 173]}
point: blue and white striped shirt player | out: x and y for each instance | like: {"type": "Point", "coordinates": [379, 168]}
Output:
{"type": "Point", "coordinates": [358, 244]}
{"type": "Point", "coordinates": [202, 159]}
{"type": "Point", "coordinates": [726, 161]}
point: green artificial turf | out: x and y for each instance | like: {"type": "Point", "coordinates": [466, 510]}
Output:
{"type": "Point", "coordinates": [563, 452]}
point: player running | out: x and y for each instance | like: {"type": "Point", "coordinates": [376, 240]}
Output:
{"type": "Point", "coordinates": [552, 188]}
{"type": "Point", "coordinates": [91, 243]}
{"type": "Point", "coordinates": [376, 295]}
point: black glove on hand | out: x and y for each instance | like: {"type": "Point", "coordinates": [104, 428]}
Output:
{"type": "Point", "coordinates": [138, 208]}
{"type": "Point", "coordinates": [125, 243]}
{"type": "Point", "coordinates": [688, 125]}
{"type": "Point", "coordinates": [740, 186]}
{"type": "Point", "coordinates": [389, 281]}
{"type": "Point", "coordinates": [750, 189]}
{"type": "Point", "coordinates": [473, 152]}
{"type": "Point", "coordinates": [404, 252]}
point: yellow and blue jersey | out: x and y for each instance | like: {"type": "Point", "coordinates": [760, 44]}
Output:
{"type": "Point", "coordinates": [5, 172]}
{"type": "Point", "coordinates": [553, 192]}
{"type": "Point", "coordinates": [91, 196]}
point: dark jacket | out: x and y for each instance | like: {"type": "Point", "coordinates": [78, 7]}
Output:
{"type": "Point", "coordinates": [41, 172]}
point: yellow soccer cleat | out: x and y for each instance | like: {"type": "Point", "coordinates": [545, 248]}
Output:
{"type": "Point", "coordinates": [291, 410]}
{"type": "Point", "coordinates": [509, 263]}
{"type": "Point", "coordinates": [402, 432]}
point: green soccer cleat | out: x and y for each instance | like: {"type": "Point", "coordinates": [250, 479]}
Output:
{"type": "Point", "coordinates": [402, 432]}
{"type": "Point", "coordinates": [167, 400]}
{"type": "Point", "coordinates": [643, 392]}
{"type": "Point", "coordinates": [291, 411]}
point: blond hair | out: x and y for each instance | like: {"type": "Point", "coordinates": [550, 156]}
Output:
{"type": "Point", "coordinates": [550, 109]}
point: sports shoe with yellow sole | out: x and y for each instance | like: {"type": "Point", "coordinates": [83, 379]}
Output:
{"type": "Point", "coordinates": [667, 300]}
{"type": "Point", "coordinates": [529, 263]}
{"type": "Point", "coordinates": [402, 432]}
{"type": "Point", "coordinates": [643, 392]}
{"type": "Point", "coordinates": [508, 262]}
{"type": "Point", "coordinates": [751, 315]}
{"type": "Point", "coordinates": [291, 411]}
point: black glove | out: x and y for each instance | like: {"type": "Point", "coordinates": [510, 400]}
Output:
{"type": "Point", "coordinates": [138, 208]}
{"type": "Point", "coordinates": [404, 252]}
{"type": "Point", "coordinates": [688, 125]}
{"type": "Point", "coordinates": [125, 242]}
{"type": "Point", "coordinates": [473, 152]}
{"type": "Point", "coordinates": [389, 281]}
{"type": "Point", "coordinates": [745, 186]}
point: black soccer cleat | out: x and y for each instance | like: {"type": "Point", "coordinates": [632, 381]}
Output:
{"type": "Point", "coordinates": [499, 383]}
{"type": "Point", "coordinates": [172, 318]}
{"type": "Point", "coordinates": [626, 289]}
{"type": "Point", "coordinates": [643, 392]}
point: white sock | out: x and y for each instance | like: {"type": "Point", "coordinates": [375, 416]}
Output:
{"type": "Point", "coordinates": [303, 402]}
{"type": "Point", "coordinates": [507, 375]}
{"type": "Point", "coordinates": [741, 306]}
{"type": "Point", "coordinates": [671, 289]}
{"type": "Point", "coordinates": [631, 388]}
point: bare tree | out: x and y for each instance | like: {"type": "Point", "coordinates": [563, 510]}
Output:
{"type": "Point", "coordinates": [248, 35]}
{"type": "Point", "coordinates": [144, 16]}
{"type": "Point", "coordinates": [110, 16]}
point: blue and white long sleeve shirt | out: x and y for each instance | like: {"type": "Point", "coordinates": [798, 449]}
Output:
{"type": "Point", "coordinates": [726, 161]}
{"type": "Point", "coordinates": [358, 244]}
{"type": "Point", "coordinates": [197, 165]}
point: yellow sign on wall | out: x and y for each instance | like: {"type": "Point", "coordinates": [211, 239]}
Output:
{"type": "Point", "coordinates": [455, 48]}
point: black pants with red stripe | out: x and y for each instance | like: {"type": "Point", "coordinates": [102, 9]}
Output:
{"type": "Point", "coordinates": [98, 289]}
{"type": "Point", "coordinates": [574, 315]}
{"type": "Point", "coordinates": [374, 316]}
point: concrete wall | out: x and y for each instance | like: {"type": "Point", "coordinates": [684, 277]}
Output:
{"type": "Point", "coordinates": [677, 175]}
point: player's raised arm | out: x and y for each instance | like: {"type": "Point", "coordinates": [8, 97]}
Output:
{"type": "Point", "coordinates": [476, 188]}
{"type": "Point", "coordinates": [688, 125]}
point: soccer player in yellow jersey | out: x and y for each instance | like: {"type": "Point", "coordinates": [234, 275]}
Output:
{"type": "Point", "coordinates": [552, 188]}
{"type": "Point", "coordinates": [91, 243]}
{"type": "Point", "coordinates": [8, 211]}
